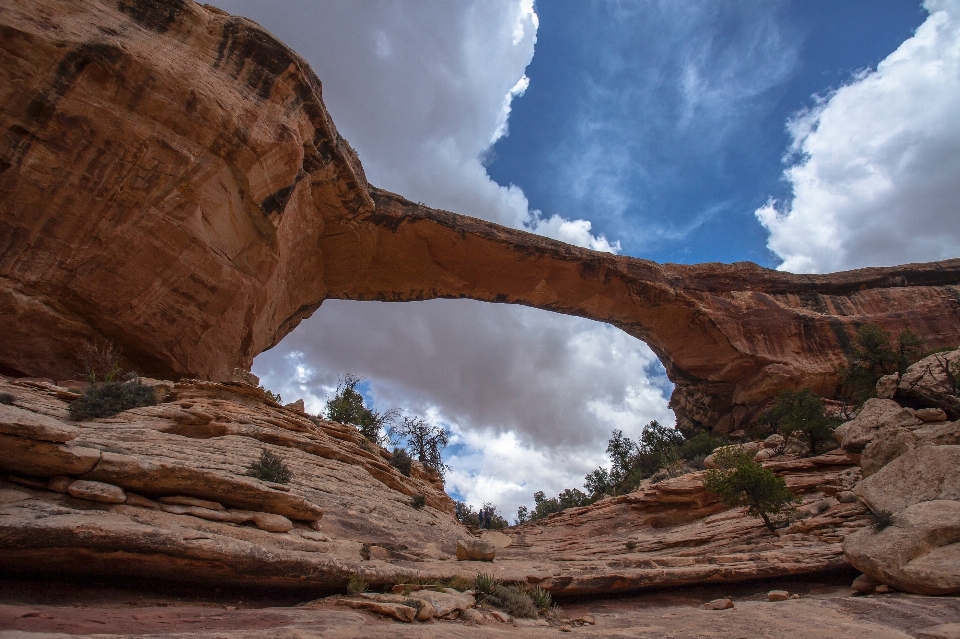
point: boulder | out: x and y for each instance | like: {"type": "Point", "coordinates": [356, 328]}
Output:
{"type": "Point", "coordinates": [933, 382]}
{"type": "Point", "coordinates": [747, 447]}
{"type": "Point", "coordinates": [444, 602]}
{"type": "Point", "coordinates": [931, 414]}
{"type": "Point", "coordinates": [498, 539]}
{"type": "Point", "coordinates": [470, 616]}
{"type": "Point", "coordinates": [398, 611]}
{"type": "Point", "coordinates": [876, 414]}
{"type": "Point", "coordinates": [778, 595]}
{"type": "Point", "coordinates": [773, 441]}
{"type": "Point", "coordinates": [475, 550]}
{"type": "Point", "coordinates": [918, 553]}
{"type": "Point", "coordinates": [887, 386]}
{"type": "Point", "coordinates": [865, 584]}
{"type": "Point", "coordinates": [922, 474]}
{"type": "Point", "coordinates": [97, 491]}
{"type": "Point", "coordinates": [183, 500]}
{"type": "Point", "coordinates": [718, 604]}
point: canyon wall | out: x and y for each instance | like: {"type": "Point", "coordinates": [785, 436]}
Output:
{"type": "Point", "coordinates": [171, 180]}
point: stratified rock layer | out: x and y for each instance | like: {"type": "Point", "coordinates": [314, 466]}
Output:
{"type": "Point", "coordinates": [164, 493]}
{"type": "Point", "coordinates": [170, 179]}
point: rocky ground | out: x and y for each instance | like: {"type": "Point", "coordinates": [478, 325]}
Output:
{"type": "Point", "coordinates": [822, 610]}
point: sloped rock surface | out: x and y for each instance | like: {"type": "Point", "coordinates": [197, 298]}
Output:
{"type": "Point", "coordinates": [918, 553]}
{"type": "Point", "coordinates": [195, 206]}
{"type": "Point", "coordinates": [928, 473]}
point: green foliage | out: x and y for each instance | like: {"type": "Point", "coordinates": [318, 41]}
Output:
{"type": "Point", "coordinates": [418, 501]}
{"type": "Point", "coordinates": [465, 515]}
{"type": "Point", "coordinates": [802, 411]}
{"type": "Point", "coordinates": [400, 459]}
{"type": "Point", "coordinates": [514, 600]}
{"type": "Point", "coordinates": [740, 481]}
{"type": "Point", "coordinates": [356, 584]}
{"type": "Point", "coordinates": [425, 441]}
{"type": "Point", "coordinates": [541, 598]}
{"type": "Point", "coordinates": [881, 519]}
{"type": "Point", "coordinates": [523, 516]}
{"type": "Point", "coordinates": [109, 398]}
{"type": "Point", "coordinates": [365, 552]}
{"type": "Point", "coordinates": [7, 398]}
{"type": "Point", "coordinates": [876, 354]}
{"type": "Point", "coordinates": [273, 397]}
{"type": "Point", "coordinates": [484, 584]}
{"type": "Point", "coordinates": [459, 583]}
{"type": "Point", "coordinates": [598, 482]}
{"type": "Point", "coordinates": [270, 467]}
{"type": "Point", "coordinates": [699, 446]}
{"type": "Point", "coordinates": [347, 407]}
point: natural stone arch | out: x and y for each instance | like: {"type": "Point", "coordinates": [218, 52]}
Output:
{"type": "Point", "coordinates": [194, 207]}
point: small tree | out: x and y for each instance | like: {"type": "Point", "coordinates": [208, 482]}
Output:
{"type": "Point", "coordinates": [270, 467]}
{"type": "Point", "coordinates": [740, 481]}
{"type": "Point", "coordinates": [523, 515]}
{"type": "Point", "coordinates": [424, 441]}
{"type": "Point", "coordinates": [348, 407]}
{"type": "Point", "coordinates": [875, 355]}
{"type": "Point", "coordinates": [598, 482]}
{"type": "Point", "coordinates": [802, 411]}
{"type": "Point", "coordinates": [400, 459]}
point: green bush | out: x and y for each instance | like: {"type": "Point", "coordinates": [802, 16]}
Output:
{"type": "Point", "coordinates": [484, 585]}
{"type": "Point", "coordinates": [109, 398]}
{"type": "Point", "coordinates": [541, 598]}
{"type": "Point", "coordinates": [699, 446]}
{"type": "Point", "coordinates": [401, 460]}
{"type": "Point", "coordinates": [876, 354]}
{"type": "Point", "coordinates": [347, 407]}
{"type": "Point", "coordinates": [7, 398]}
{"type": "Point", "coordinates": [270, 467]}
{"type": "Point", "coordinates": [802, 411]}
{"type": "Point", "coordinates": [418, 501]}
{"type": "Point", "coordinates": [425, 441]}
{"type": "Point", "coordinates": [740, 481]}
{"type": "Point", "coordinates": [881, 519]}
{"type": "Point", "coordinates": [514, 600]}
{"type": "Point", "coordinates": [365, 552]}
{"type": "Point", "coordinates": [356, 584]}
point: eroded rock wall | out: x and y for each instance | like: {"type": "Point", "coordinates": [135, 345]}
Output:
{"type": "Point", "coordinates": [171, 180]}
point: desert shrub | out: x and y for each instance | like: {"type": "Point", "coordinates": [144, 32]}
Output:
{"type": "Point", "coordinates": [100, 361]}
{"type": "Point", "coordinates": [881, 519]}
{"type": "Point", "coordinates": [109, 398]}
{"type": "Point", "coordinates": [541, 598]}
{"type": "Point", "coordinates": [803, 412]}
{"type": "Point", "coordinates": [356, 584]}
{"type": "Point", "coordinates": [401, 460]}
{"type": "Point", "coordinates": [877, 354]}
{"type": "Point", "coordinates": [466, 516]}
{"type": "Point", "coordinates": [514, 600]}
{"type": "Point", "coordinates": [347, 407]}
{"type": "Point", "coordinates": [270, 467]}
{"type": "Point", "coordinates": [273, 397]}
{"type": "Point", "coordinates": [418, 501]}
{"type": "Point", "coordinates": [630, 545]}
{"type": "Point", "coordinates": [459, 583]}
{"type": "Point", "coordinates": [696, 463]}
{"type": "Point", "coordinates": [523, 515]}
{"type": "Point", "coordinates": [424, 441]}
{"type": "Point", "coordinates": [740, 481]}
{"type": "Point", "coordinates": [365, 552]}
{"type": "Point", "coordinates": [413, 603]}
{"type": "Point", "coordinates": [699, 446]}
{"type": "Point", "coordinates": [822, 506]}
{"type": "Point", "coordinates": [7, 398]}
{"type": "Point", "coordinates": [484, 585]}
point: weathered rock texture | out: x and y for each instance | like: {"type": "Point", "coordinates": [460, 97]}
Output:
{"type": "Point", "coordinates": [163, 493]}
{"type": "Point", "coordinates": [170, 179]}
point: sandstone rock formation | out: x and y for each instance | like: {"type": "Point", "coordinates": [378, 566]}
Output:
{"type": "Point", "coordinates": [163, 493]}
{"type": "Point", "coordinates": [195, 206]}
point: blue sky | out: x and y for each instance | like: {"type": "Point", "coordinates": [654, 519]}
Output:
{"type": "Point", "coordinates": [805, 135]}
{"type": "Point", "coordinates": [663, 123]}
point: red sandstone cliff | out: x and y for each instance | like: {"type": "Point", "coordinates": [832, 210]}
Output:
{"type": "Point", "coordinates": [170, 179]}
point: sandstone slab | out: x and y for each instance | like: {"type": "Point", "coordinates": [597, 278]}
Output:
{"type": "Point", "coordinates": [475, 550]}
{"type": "Point", "coordinates": [97, 491]}
{"type": "Point", "coordinates": [31, 425]}
{"type": "Point", "coordinates": [45, 459]}
{"type": "Point", "coordinates": [918, 553]}
{"type": "Point", "coordinates": [923, 474]}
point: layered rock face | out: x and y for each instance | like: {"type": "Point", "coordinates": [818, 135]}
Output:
{"type": "Point", "coordinates": [171, 180]}
{"type": "Point", "coordinates": [163, 493]}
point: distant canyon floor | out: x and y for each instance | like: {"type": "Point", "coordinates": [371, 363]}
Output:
{"type": "Point", "coordinates": [826, 609]}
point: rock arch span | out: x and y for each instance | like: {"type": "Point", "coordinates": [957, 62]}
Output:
{"type": "Point", "coordinates": [195, 205]}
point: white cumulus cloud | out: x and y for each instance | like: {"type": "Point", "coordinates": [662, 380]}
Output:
{"type": "Point", "coordinates": [877, 176]}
